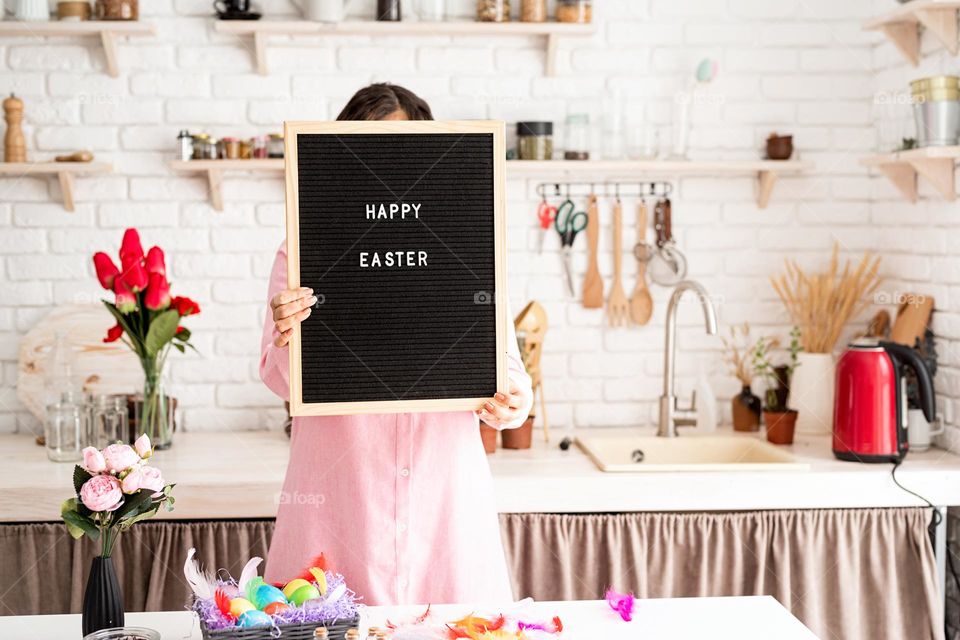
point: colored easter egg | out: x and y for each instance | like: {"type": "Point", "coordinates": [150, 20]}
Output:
{"type": "Point", "coordinates": [293, 585]}
{"type": "Point", "coordinates": [239, 606]}
{"type": "Point", "coordinates": [267, 594]}
{"type": "Point", "coordinates": [301, 595]}
{"type": "Point", "coordinates": [320, 578]}
{"type": "Point", "coordinates": [254, 618]}
{"type": "Point", "coordinates": [275, 607]}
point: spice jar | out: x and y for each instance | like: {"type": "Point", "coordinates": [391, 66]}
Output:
{"type": "Point", "coordinates": [185, 145]}
{"type": "Point", "coordinates": [246, 149]}
{"type": "Point", "coordinates": [275, 145]}
{"type": "Point", "coordinates": [493, 10]}
{"type": "Point", "coordinates": [259, 147]}
{"type": "Point", "coordinates": [574, 11]}
{"type": "Point", "coordinates": [533, 10]}
{"type": "Point", "coordinates": [535, 140]}
{"type": "Point", "coordinates": [117, 10]}
{"type": "Point", "coordinates": [231, 148]}
{"type": "Point", "coordinates": [577, 137]}
{"type": "Point", "coordinates": [202, 144]}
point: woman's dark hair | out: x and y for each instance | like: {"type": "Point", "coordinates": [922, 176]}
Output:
{"type": "Point", "coordinates": [378, 101]}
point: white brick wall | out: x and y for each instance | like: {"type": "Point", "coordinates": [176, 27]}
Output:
{"type": "Point", "coordinates": [793, 66]}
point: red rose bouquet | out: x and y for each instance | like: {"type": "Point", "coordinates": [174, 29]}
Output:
{"type": "Point", "coordinates": [148, 321]}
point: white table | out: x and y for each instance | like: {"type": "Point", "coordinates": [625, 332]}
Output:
{"type": "Point", "coordinates": [741, 618]}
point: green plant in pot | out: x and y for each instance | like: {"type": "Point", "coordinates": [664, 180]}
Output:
{"type": "Point", "coordinates": [779, 420]}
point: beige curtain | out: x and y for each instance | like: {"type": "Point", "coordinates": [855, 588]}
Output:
{"type": "Point", "coordinates": [847, 574]}
{"type": "Point", "coordinates": [43, 570]}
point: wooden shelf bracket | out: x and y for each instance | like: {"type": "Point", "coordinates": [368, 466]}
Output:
{"type": "Point", "coordinates": [765, 182]}
{"type": "Point", "coordinates": [903, 177]}
{"type": "Point", "coordinates": [902, 26]}
{"type": "Point", "coordinates": [939, 173]}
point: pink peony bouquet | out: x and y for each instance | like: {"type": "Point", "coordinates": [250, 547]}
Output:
{"type": "Point", "coordinates": [115, 489]}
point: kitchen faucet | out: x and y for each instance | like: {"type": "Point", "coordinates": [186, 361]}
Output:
{"type": "Point", "coordinates": [670, 415]}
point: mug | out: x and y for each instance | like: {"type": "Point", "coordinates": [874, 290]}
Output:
{"type": "Point", "coordinates": [231, 6]}
{"type": "Point", "coordinates": [325, 10]}
{"type": "Point", "coordinates": [919, 432]}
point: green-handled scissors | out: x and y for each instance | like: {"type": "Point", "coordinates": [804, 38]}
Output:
{"type": "Point", "coordinates": [568, 223]}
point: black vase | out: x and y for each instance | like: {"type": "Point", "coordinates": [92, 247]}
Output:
{"type": "Point", "coordinates": [388, 10]}
{"type": "Point", "coordinates": [103, 600]}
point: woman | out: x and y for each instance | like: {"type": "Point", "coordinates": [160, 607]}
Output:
{"type": "Point", "coordinates": [400, 504]}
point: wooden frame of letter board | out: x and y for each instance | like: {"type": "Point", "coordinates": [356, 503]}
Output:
{"type": "Point", "coordinates": [496, 128]}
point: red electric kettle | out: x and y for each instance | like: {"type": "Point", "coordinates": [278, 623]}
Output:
{"type": "Point", "coordinates": [870, 405]}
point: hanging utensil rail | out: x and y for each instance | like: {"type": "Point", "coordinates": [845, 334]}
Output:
{"type": "Point", "coordinates": [632, 189]}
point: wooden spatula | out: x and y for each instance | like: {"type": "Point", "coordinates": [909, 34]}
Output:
{"type": "Point", "coordinates": [592, 282]}
{"type": "Point", "coordinates": [618, 309]}
{"type": "Point", "coordinates": [641, 302]}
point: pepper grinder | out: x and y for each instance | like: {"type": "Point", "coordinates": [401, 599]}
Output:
{"type": "Point", "coordinates": [14, 143]}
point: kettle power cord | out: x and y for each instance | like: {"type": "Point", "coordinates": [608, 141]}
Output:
{"type": "Point", "coordinates": [935, 519]}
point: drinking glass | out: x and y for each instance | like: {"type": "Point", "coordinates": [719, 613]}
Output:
{"type": "Point", "coordinates": [65, 431]}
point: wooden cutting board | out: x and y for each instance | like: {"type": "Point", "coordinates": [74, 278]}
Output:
{"type": "Point", "coordinates": [913, 316]}
{"type": "Point", "coordinates": [101, 367]}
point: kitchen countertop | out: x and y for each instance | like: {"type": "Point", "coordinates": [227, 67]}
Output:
{"type": "Point", "coordinates": [239, 475]}
{"type": "Point", "coordinates": [740, 618]}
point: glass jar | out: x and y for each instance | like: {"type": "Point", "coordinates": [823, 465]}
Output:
{"type": "Point", "coordinates": [493, 10]}
{"type": "Point", "coordinates": [259, 147]}
{"type": "Point", "coordinates": [432, 10]}
{"type": "Point", "coordinates": [231, 148]}
{"type": "Point", "coordinates": [535, 140]}
{"type": "Point", "coordinates": [111, 421]}
{"type": "Point", "coordinates": [64, 431]}
{"type": "Point", "coordinates": [577, 141]}
{"type": "Point", "coordinates": [275, 145]}
{"type": "Point", "coordinates": [533, 10]}
{"type": "Point", "coordinates": [574, 11]}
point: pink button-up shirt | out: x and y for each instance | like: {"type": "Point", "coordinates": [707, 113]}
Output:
{"type": "Point", "coordinates": [401, 504]}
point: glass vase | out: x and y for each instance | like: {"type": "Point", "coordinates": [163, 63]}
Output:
{"type": "Point", "coordinates": [154, 410]}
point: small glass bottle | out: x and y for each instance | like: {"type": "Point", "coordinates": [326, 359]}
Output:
{"type": "Point", "coordinates": [493, 10]}
{"type": "Point", "coordinates": [185, 145]}
{"type": "Point", "coordinates": [64, 431]}
{"type": "Point", "coordinates": [388, 10]}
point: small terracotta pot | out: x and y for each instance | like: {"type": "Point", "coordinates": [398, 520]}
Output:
{"type": "Point", "coordinates": [779, 147]}
{"type": "Point", "coordinates": [489, 436]}
{"type": "Point", "coordinates": [519, 438]}
{"type": "Point", "coordinates": [780, 425]}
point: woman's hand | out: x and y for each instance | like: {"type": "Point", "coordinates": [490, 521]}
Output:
{"type": "Point", "coordinates": [290, 308]}
{"type": "Point", "coordinates": [504, 409]}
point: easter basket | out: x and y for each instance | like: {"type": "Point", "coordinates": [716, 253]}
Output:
{"type": "Point", "coordinates": [295, 631]}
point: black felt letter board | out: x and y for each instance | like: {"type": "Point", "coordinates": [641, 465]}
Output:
{"type": "Point", "coordinates": [406, 306]}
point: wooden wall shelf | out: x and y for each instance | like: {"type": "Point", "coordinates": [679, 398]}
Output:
{"type": "Point", "coordinates": [107, 30]}
{"type": "Point", "coordinates": [65, 172]}
{"type": "Point", "coordinates": [902, 25]}
{"type": "Point", "coordinates": [766, 172]}
{"type": "Point", "coordinates": [261, 30]}
{"type": "Point", "coordinates": [935, 164]}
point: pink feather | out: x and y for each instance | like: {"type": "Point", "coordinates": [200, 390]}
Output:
{"type": "Point", "coordinates": [622, 603]}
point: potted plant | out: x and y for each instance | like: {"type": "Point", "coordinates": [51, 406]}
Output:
{"type": "Point", "coordinates": [115, 489]}
{"type": "Point", "coordinates": [746, 406]}
{"type": "Point", "coordinates": [148, 321]}
{"type": "Point", "coordinates": [821, 304]}
{"type": "Point", "coordinates": [779, 420]}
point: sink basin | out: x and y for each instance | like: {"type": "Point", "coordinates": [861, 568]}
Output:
{"type": "Point", "coordinates": [638, 454]}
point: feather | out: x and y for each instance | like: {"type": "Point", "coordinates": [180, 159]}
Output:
{"type": "Point", "coordinates": [622, 603]}
{"type": "Point", "coordinates": [223, 602]}
{"type": "Point", "coordinates": [319, 562]}
{"type": "Point", "coordinates": [423, 616]}
{"type": "Point", "coordinates": [249, 573]}
{"type": "Point", "coordinates": [201, 582]}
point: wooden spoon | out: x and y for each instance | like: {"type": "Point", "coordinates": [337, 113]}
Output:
{"type": "Point", "coordinates": [641, 302]}
{"type": "Point", "coordinates": [618, 309]}
{"type": "Point", "coordinates": [592, 282]}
